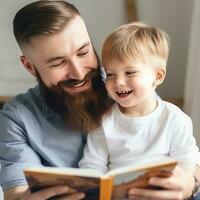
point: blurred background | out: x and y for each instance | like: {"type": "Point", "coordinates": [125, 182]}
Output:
{"type": "Point", "coordinates": [179, 18]}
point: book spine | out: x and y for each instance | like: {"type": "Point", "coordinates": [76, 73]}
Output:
{"type": "Point", "coordinates": [106, 188]}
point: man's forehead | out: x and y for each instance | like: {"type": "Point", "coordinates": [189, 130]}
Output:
{"type": "Point", "coordinates": [71, 39]}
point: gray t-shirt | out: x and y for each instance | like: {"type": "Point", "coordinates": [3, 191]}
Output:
{"type": "Point", "coordinates": [31, 134]}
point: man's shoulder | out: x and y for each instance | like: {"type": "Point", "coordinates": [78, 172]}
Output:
{"type": "Point", "coordinates": [23, 102]}
{"type": "Point", "coordinates": [32, 96]}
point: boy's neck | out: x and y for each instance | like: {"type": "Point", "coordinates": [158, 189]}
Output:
{"type": "Point", "coordinates": [142, 109]}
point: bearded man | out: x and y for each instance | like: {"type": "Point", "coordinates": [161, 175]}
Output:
{"type": "Point", "coordinates": [47, 125]}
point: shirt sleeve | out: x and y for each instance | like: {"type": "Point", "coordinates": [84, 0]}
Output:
{"type": "Point", "coordinates": [15, 150]}
{"type": "Point", "coordinates": [183, 144]}
{"type": "Point", "coordinates": [95, 152]}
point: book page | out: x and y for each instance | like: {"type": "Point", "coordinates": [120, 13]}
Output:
{"type": "Point", "coordinates": [66, 171]}
{"type": "Point", "coordinates": [38, 180]}
{"type": "Point", "coordinates": [157, 163]}
{"type": "Point", "coordinates": [139, 178]}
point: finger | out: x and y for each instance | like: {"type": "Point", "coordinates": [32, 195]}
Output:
{"type": "Point", "coordinates": [49, 192]}
{"type": "Point", "coordinates": [156, 194]}
{"type": "Point", "coordinates": [75, 196]}
{"type": "Point", "coordinates": [167, 183]}
{"type": "Point", "coordinates": [137, 198]}
{"type": "Point", "coordinates": [172, 182]}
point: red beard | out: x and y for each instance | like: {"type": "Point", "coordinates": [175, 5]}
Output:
{"type": "Point", "coordinates": [83, 111]}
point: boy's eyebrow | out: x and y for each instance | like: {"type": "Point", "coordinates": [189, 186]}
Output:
{"type": "Point", "coordinates": [51, 59]}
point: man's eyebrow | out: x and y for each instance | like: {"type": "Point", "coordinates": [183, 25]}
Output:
{"type": "Point", "coordinates": [51, 59]}
{"type": "Point", "coordinates": [83, 46]}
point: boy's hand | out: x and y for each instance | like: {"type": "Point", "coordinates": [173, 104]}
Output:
{"type": "Point", "coordinates": [176, 187]}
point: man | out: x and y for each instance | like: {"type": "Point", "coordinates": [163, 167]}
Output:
{"type": "Point", "coordinates": [46, 126]}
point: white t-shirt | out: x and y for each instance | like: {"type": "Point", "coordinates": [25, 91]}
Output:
{"type": "Point", "coordinates": [122, 140]}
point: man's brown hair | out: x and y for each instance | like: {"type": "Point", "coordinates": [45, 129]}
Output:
{"type": "Point", "coordinates": [42, 18]}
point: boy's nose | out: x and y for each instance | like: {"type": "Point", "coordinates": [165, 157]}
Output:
{"type": "Point", "coordinates": [120, 81]}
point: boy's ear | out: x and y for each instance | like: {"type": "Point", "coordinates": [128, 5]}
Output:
{"type": "Point", "coordinates": [160, 76]}
{"type": "Point", "coordinates": [28, 65]}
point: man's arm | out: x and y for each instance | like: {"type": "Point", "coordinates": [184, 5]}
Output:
{"type": "Point", "coordinates": [15, 193]}
{"type": "Point", "coordinates": [17, 154]}
{"type": "Point", "coordinates": [22, 193]}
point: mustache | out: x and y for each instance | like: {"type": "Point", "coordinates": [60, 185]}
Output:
{"type": "Point", "coordinates": [71, 82]}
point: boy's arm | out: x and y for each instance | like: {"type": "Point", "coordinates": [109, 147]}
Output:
{"type": "Point", "coordinates": [95, 152]}
{"type": "Point", "coordinates": [183, 144]}
{"type": "Point", "coordinates": [183, 148]}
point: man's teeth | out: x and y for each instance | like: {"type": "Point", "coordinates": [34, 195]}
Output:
{"type": "Point", "coordinates": [80, 84]}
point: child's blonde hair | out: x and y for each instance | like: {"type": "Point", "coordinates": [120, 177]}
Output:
{"type": "Point", "coordinates": [139, 43]}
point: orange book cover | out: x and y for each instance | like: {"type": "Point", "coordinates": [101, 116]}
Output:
{"type": "Point", "coordinates": [113, 185]}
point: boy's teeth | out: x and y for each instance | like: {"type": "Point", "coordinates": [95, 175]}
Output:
{"type": "Point", "coordinates": [124, 92]}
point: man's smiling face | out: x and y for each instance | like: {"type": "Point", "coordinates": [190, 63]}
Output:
{"type": "Point", "coordinates": [63, 59]}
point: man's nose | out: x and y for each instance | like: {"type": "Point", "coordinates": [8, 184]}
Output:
{"type": "Point", "coordinates": [77, 71]}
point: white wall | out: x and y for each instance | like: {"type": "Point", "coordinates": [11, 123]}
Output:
{"type": "Point", "coordinates": [13, 78]}
{"type": "Point", "coordinates": [173, 16]}
{"type": "Point", "coordinates": [192, 92]}
{"type": "Point", "coordinates": [101, 17]}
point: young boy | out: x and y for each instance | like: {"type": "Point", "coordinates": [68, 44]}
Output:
{"type": "Point", "coordinates": [141, 128]}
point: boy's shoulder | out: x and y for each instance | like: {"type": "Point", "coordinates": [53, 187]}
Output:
{"type": "Point", "coordinates": [172, 110]}
{"type": "Point", "coordinates": [170, 106]}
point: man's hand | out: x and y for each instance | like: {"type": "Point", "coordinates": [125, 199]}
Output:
{"type": "Point", "coordinates": [21, 193]}
{"type": "Point", "coordinates": [176, 187]}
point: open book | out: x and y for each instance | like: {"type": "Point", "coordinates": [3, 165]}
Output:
{"type": "Point", "coordinates": [97, 186]}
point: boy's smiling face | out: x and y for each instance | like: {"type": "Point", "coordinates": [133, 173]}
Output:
{"type": "Point", "coordinates": [132, 85]}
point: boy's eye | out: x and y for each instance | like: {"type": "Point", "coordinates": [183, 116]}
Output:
{"type": "Point", "coordinates": [108, 75]}
{"type": "Point", "coordinates": [130, 72]}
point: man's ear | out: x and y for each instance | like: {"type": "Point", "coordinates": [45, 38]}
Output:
{"type": "Point", "coordinates": [28, 65]}
{"type": "Point", "coordinates": [160, 76]}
